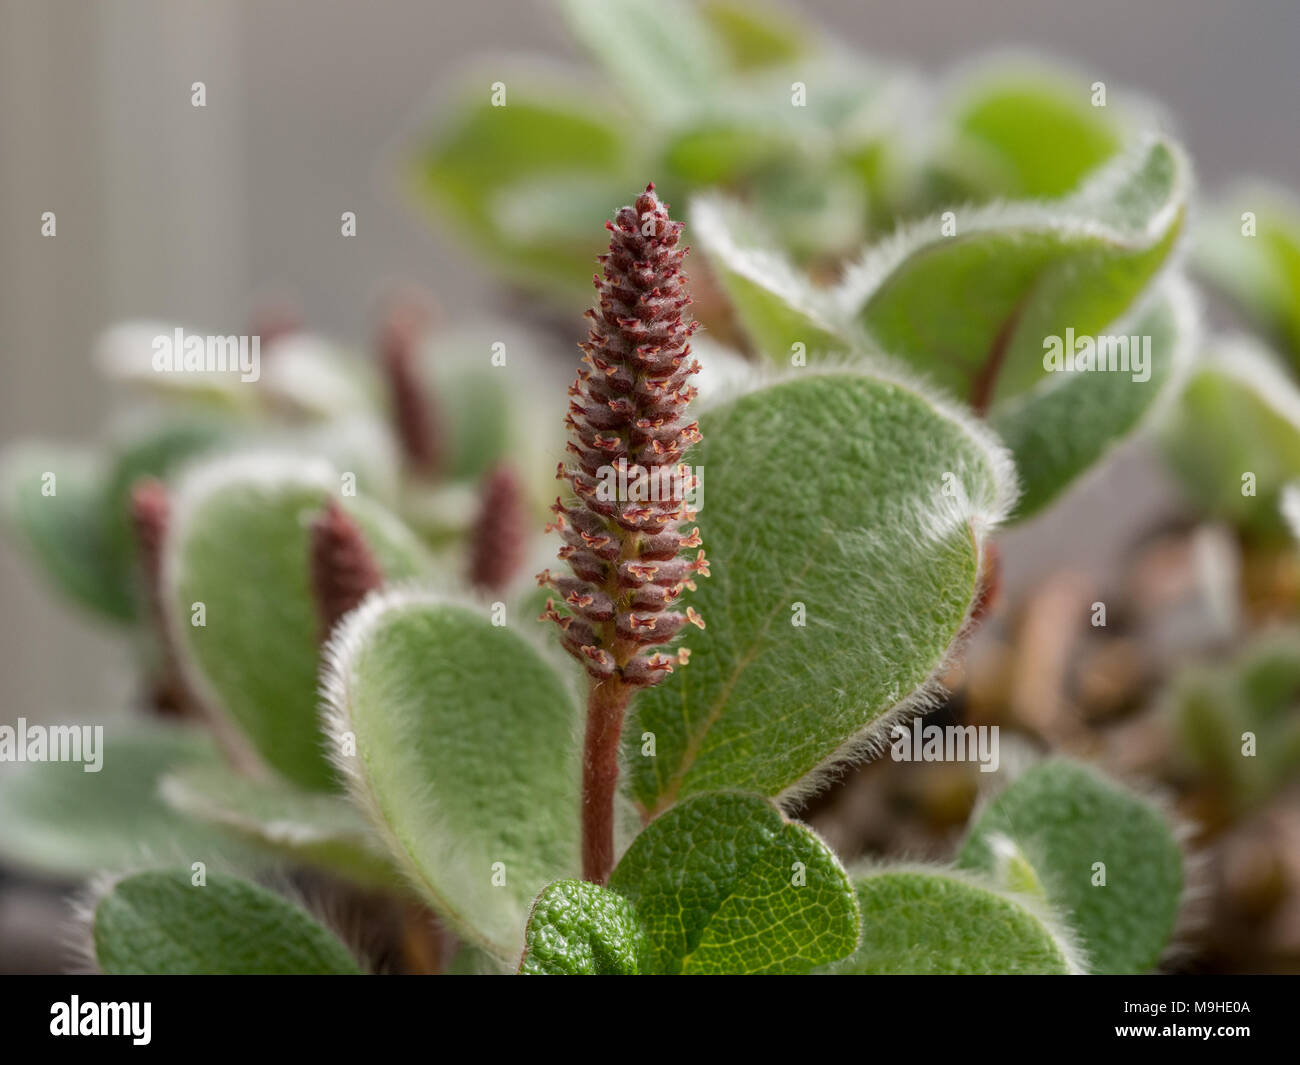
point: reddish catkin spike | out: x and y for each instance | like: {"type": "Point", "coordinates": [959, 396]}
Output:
{"type": "Point", "coordinates": [628, 523]}
{"type": "Point", "coordinates": [500, 532]}
{"type": "Point", "coordinates": [415, 416]}
{"type": "Point", "coordinates": [343, 571]}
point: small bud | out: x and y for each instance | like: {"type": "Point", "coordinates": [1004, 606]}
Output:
{"type": "Point", "coordinates": [150, 519]}
{"type": "Point", "coordinates": [415, 415]}
{"type": "Point", "coordinates": [343, 571]}
{"type": "Point", "coordinates": [150, 516]}
{"type": "Point", "coordinates": [500, 532]}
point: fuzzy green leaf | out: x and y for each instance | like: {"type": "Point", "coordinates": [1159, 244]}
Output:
{"type": "Point", "coordinates": [778, 307]}
{"type": "Point", "coordinates": [81, 535]}
{"type": "Point", "coordinates": [662, 53]}
{"type": "Point", "coordinates": [66, 532]}
{"type": "Point", "coordinates": [1022, 130]}
{"type": "Point", "coordinates": [722, 883]}
{"type": "Point", "coordinates": [240, 545]}
{"type": "Point", "coordinates": [1075, 828]}
{"type": "Point", "coordinates": [972, 309]}
{"type": "Point", "coordinates": [158, 923]}
{"type": "Point", "coordinates": [1249, 246]}
{"type": "Point", "coordinates": [554, 155]}
{"type": "Point", "coordinates": [1233, 437]}
{"type": "Point", "coordinates": [579, 929]}
{"type": "Point", "coordinates": [844, 517]}
{"type": "Point", "coordinates": [1237, 721]}
{"type": "Point", "coordinates": [1060, 429]}
{"type": "Point", "coordinates": [465, 757]}
{"type": "Point", "coordinates": [57, 819]}
{"type": "Point", "coordinates": [756, 35]}
{"type": "Point", "coordinates": [303, 827]}
{"type": "Point", "coordinates": [937, 922]}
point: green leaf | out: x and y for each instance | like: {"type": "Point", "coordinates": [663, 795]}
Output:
{"type": "Point", "coordinates": [125, 353]}
{"type": "Point", "coordinates": [662, 53]}
{"type": "Point", "coordinates": [240, 545]}
{"type": "Point", "coordinates": [466, 757]}
{"type": "Point", "coordinates": [66, 532]}
{"type": "Point", "coordinates": [1066, 425]}
{"type": "Point", "coordinates": [1021, 129]}
{"type": "Point", "coordinates": [1215, 707]}
{"type": "Point", "coordinates": [82, 534]}
{"type": "Point", "coordinates": [1233, 437]}
{"type": "Point", "coordinates": [748, 130]}
{"type": "Point", "coordinates": [777, 306]}
{"type": "Point", "coordinates": [58, 819]}
{"type": "Point", "coordinates": [158, 923]}
{"type": "Point", "coordinates": [157, 450]}
{"type": "Point", "coordinates": [304, 827]}
{"type": "Point", "coordinates": [722, 883]}
{"type": "Point", "coordinates": [472, 397]}
{"type": "Point", "coordinates": [757, 35]}
{"type": "Point", "coordinates": [307, 377]}
{"type": "Point", "coordinates": [844, 516]}
{"type": "Point", "coordinates": [1075, 827]}
{"type": "Point", "coordinates": [579, 929]}
{"type": "Point", "coordinates": [972, 309]}
{"type": "Point", "coordinates": [939, 922]}
{"type": "Point", "coordinates": [555, 155]}
{"type": "Point", "coordinates": [1259, 271]}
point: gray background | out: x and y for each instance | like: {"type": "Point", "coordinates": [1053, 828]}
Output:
{"type": "Point", "coordinates": [172, 212]}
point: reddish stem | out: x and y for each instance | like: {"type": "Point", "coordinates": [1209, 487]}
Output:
{"type": "Point", "coordinates": [606, 707]}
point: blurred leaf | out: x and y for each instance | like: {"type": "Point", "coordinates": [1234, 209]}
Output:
{"type": "Point", "coordinates": [1257, 692]}
{"type": "Point", "coordinates": [1068, 423]}
{"type": "Point", "coordinates": [158, 923]}
{"type": "Point", "coordinates": [751, 125]}
{"type": "Point", "coordinates": [938, 922]}
{"type": "Point", "coordinates": [1020, 129]}
{"type": "Point", "coordinates": [508, 176]}
{"type": "Point", "coordinates": [1107, 859]}
{"type": "Point", "coordinates": [240, 544]}
{"type": "Point", "coordinates": [1260, 272]}
{"type": "Point", "coordinates": [814, 213]}
{"type": "Point", "coordinates": [844, 517]}
{"type": "Point", "coordinates": [579, 929]}
{"type": "Point", "coordinates": [82, 534]}
{"type": "Point", "coordinates": [125, 353]}
{"type": "Point", "coordinates": [157, 449]}
{"type": "Point", "coordinates": [661, 53]}
{"type": "Point", "coordinates": [1233, 437]}
{"type": "Point", "coordinates": [466, 758]}
{"type": "Point", "coordinates": [473, 398]}
{"type": "Point", "coordinates": [305, 376]}
{"type": "Point", "coordinates": [66, 532]}
{"type": "Point", "coordinates": [58, 819]}
{"type": "Point", "coordinates": [722, 883]}
{"type": "Point", "coordinates": [757, 35]}
{"type": "Point", "coordinates": [305, 827]}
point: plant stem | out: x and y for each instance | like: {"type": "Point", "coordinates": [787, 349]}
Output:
{"type": "Point", "coordinates": [606, 707]}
